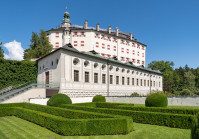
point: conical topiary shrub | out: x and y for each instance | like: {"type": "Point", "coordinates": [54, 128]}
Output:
{"type": "Point", "coordinates": [156, 100]}
{"type": "Point", "coordinates": [58, 99]}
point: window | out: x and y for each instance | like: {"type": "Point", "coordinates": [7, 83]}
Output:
{"type": "Point", "coordinates": [40, 68]}
{"type": "Point", "coordinates": [57, 44]}
{"type": "Point", "coordinates": [103, 46]}
{"type": "Point", "coordinates": [137, 82]}
{"type": "Point", "coordinates": [122, 80]}
{"type": "Point", "coordinates": [154, 83]}
{"type": "Point", "coordinates": [108, 47]}
{"type": "Point", "coordinates": [75, 43]}
{"type": "Point", "coordinates": [52, 63]}
{"type": "Point", "coordinates": [117, 79]}
{"type": "Point", "coordinates": [57, 35]}
{"type": "Point", "coordinates": [144, 82]}
{"type": "Point", "coordinates": [151, 83]}
{"type": "Point", "coordinates": [57, 61]}
{"type": "Point", "coordinates": [148, 82]}
{"type": "Point", "coordinates": [76, 75]}
{"type": "Point", "coordinates": [140, 82]}
{"type": "Point", "coordinates": [95, 77]}
{"type": "Point", "coordinates": [82, 33]}
{"type": "Point", "coordinates": [122, 50]}
{"type": "Point", "coordinates": [128, 81]}
{"type": "Point", "coordinates": [103, 78]}
{"type": "Point", "coordinates": [111, 79]}
{"type": "Point", "coordinates": [114, 48]}
{"type": "Point", "coordinates": [75, 33]}
{"type": "Point", "coordinates": [159, 84]}
{"type": "Point", "coordinates": [97, 44]}
{"type": "Point", "coordinates": [82, 43]}
{"type": "Point", "coordinates": [86, 76]}
{"type": "Point", "coordinates": [132, 81]}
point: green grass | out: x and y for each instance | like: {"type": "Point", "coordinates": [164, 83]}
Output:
{"type": "Point", "coordinates": [171, 106]}
{"type": "Point", "coordinates": [15, 128]}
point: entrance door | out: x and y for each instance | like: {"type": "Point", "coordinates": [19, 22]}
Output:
{"type": "Point", "coordinates": [47, 78]}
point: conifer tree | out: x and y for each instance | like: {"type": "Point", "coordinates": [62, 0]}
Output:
{"type": "Point", "coordinates": [1, 51]}
{"type": "Point", "coordinates": [40, 46]}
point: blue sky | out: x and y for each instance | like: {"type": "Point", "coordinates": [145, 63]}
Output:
{"type": "Point", "coordinates": [169, 28]}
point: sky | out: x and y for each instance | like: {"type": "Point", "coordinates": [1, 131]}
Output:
{"type": "Point", "coordinates": [169, 28]}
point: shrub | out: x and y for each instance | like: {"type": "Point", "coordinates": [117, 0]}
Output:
{"type": "Point", "coordinates": [195, 127]}
{"type": "Point", "coordinates": [99, 98]}
{"type": "Point", "coordinates": [78, 122]}
{"type": "Point", "coordinates": [59, 99]}
{"type": "Point", "coordinates": [134, 94]}
{"type": "Point", "coordinates": [186, 92]}
{"type": "Point", "coordinates": [154, 118]}
{"type": "Point", "coordinates": [156, 100]}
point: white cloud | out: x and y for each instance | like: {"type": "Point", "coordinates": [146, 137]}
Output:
{"type": "Point", "coordinates": [15, 50]}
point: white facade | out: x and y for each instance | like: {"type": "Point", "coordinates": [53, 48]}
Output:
{"type": "Point", "coordinates": [106, 42]}
{"type": "Point", "coordinates": [63, 72]}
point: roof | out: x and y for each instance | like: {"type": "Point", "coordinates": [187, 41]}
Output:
{"type": "Point", "coordinates": [93, 53]}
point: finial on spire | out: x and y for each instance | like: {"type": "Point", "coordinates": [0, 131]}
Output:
{"type": "Point", "coordinates": [66, 8]}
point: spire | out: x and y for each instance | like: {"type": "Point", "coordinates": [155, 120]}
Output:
{"type": "Point", "coordinates": [66, 18]}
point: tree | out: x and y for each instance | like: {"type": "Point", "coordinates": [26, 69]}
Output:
{"type": "Point", "coordinates": [186, 68]}
{"type": "Point", "coordinates": [39, 46]}
{"type": "Point", "coordinates": [1, 51]}
{"type": "Point", "coordinates": [189, 79]}
{"type": "Point", "coordinates": [161, 65]}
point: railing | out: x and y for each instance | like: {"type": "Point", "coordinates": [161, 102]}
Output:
{"type": "Point", "coordinates": [77, 26]}
{"type": "Point", "coordinates": [54, 85]}
{"type": "Point", "coordinates": [128, 34]}
{"type": "Point", "coordinates": [34, 83]}
{"type": "Point", "coordinates": [100, 29]}
{"type": "Point", "coordinates": [10, 88]}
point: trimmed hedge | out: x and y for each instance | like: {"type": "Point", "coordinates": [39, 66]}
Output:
{"type": "Point", "coordinates": [42, 115]}
{"type": "Point", "coordinates": [156, 100]}
{"type": "Point", "coordinates": [58, 99]}
{"type": "Point", "coordinates": [66, 113]}
{"type": "Point", "coordinates": [150, 109]}
{"type": "Point", "coordinates": [99, 98]}
{"type": "Point", "coordinates": [112, 105]}
{"type": "Point", "coordinates": [87, 104]}
{"type": "Point", "coordinates": [154, 118]}
{"type": "Point", "coordinates": [195, 127]}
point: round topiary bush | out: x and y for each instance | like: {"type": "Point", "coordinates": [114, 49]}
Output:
{"type": "Point", "coordinates": [58, 99]}
{"type": "Point", "coordinates": [99, 98]}
{"type": "Point", "coordinates": [156, 100]}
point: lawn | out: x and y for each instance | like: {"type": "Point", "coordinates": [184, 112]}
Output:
{"type": "Point", "coordinates": [15, 128]}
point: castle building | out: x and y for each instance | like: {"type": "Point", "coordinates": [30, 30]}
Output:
{"type": "Point", "coordinates": [106, 42]}
{"type": "Point", "coordinates": [89, 61]}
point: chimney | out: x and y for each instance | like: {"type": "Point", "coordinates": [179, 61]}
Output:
{"type": "Point", "coordinates": [97, 26]}
{"type": "Point", "coordinates": [109, 29]}
{"type": "Point", "coordinates": [85, 24]}
{"type": "Point", "coordinates": [116, 31]}
{"type": "Point", "coordinates": [131, 35]}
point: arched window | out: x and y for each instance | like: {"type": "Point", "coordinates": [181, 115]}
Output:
{"type": "Point", "coordinates": [52, 63]}
{"type": "Point", "coordinates": [75, 61]}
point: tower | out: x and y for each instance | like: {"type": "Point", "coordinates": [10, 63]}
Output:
{"type": "Point", "coordinates": [66, 21]}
